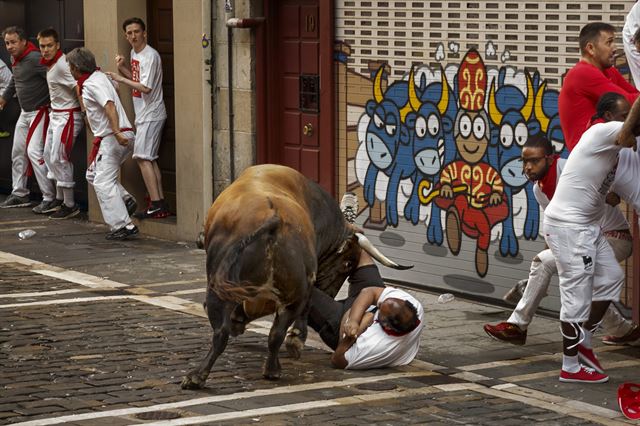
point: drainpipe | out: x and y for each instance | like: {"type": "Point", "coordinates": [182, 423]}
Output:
{"type": "Point", "coordinates": [233, 22]}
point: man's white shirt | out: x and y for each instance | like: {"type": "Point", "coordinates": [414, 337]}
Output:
{"type": "Point", "coordinates": [146, 68]}
{"type": "Point", "coordinates": [587, 177]}
{"type": "Point", "coordinates": [62, 85]}
{"type": "Point", "coordinates": [374, 348]}
{"type": "Point", "coordinates": [96, 92]}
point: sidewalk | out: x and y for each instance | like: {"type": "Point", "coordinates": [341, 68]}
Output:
{"type": "Point", "coordinates": [454, 345]}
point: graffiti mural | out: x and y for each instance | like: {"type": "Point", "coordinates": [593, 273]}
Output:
{"type": "Point", "coordinates": [440, 147]}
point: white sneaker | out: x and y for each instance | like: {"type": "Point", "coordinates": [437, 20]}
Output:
{"type": "Point", "coordinates": [349, 206]}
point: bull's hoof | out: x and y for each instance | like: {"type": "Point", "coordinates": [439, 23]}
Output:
{"type": "Point", "coordinates": [271, 372]}
{"type": "Point", "coordinates": [271, 375]}
{"type": "Point", "coordinates": [193, 381]}
{"type": "Point", "coordinates": [294, 345]}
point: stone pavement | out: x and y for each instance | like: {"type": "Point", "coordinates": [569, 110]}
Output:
{"type": "Point", "coordinates": [95, 332]}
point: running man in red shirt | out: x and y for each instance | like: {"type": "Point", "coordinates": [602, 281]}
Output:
{"type": "Point", "coordinates": [593, 76]}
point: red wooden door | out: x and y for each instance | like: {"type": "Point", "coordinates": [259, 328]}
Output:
{"type": "Point", "coordinates": [299, 89]}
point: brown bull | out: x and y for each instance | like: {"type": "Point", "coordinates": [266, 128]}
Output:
{"type": "Point", "coordinates": [270, 237]}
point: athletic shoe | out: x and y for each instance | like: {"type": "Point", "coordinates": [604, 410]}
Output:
{"type": "Point", "coordinates": [632, 338]}
{"type": "Point", "coordinates": [65, 212]}
{"type": "Point", "coordinates": [152, 213]}
{"type": "Point", "coordinates": [47, 207]}
{"type": "Point", "coordinates": [514, 295]}
{"type": "Point", "coordinates": [349, 206]}
{"type": "Point", "coordinates": [15, 201]}
{"type": "Point", "coordinates": [507, 332]}
{"type": "Point", "coordinates": [586, 356]}
{"type": "Point", "coordinates": [122, 233]}
{"type": "Point", "coordinates": [131, 205]}
{"type": "Point", "coordinates": [584, 375]}
{"type": "Point", "coordinates": [4, 134]}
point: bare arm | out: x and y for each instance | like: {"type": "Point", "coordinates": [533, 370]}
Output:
{"type": "Point", "coordinates": [114, 122]}
{"type": "Point", "coordinates": [630, 128]}
{"type": "Point", "coordinates": [133, 84]}
{"type": "Point", "coordinates": [122, 67]}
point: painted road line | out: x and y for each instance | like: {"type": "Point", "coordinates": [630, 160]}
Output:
{"type": "Point", "coordinates": [81, 278]}
{"type": "Point", "coordinates": [65, 301]}
{"type": "Point", "coordinates": [190, 291]}
{"type": "Point", "coordinates": [302, 406]}
{"type": "Point", "coordinates": [564, 406]}
{"type": "Point", "coordinates": [194, 281]}
{"type": "Point", "coordinates": [13, 222]}
{"type": "Point", "coordinates": [543, 374]}
{"type": "Point", "coordinates": [283, 390]}
{"type": "Point", "coordinates": [41, 293]}
{"type": "Point", "coordinates": [12, 258]}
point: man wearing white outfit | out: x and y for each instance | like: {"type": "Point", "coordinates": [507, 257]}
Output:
{"type": "Point", "coordinates": [65, 122]}
{"type": "Point", "coordinates": [10, 113]}
{"type": "Point", "coordinates": [629, 30]}
{"type": "Point", "coordinates": [29, 82]}
{"type": "Point", "coordinates": [145, 79]}
{"type": "Point", "coordinates": [590, 276]}
{"type": "Point", "coordinates": [113, 140]}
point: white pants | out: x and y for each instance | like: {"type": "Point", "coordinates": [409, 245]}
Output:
{"type": "Point", "coordinates": [103, 175]}
{"type": "Point", "coordinates": [148, 135]}
{"type": "Point", "coordinates": [21, 156]}
{"type": "Point", "coordinates": [587, 268]}
{"type": "Point", "coordinates": [543, 267]}
{"type": "Point", "coordinates": [60, 167]}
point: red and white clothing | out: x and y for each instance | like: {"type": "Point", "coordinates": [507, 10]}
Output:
{"type": "Point", "coordinates": [103, 172]}
{"type": "Point", "coordinates": [65, 122]}
{"type": "Point", "coordinates": [587, 266]}
{"type": "Point", "coordinates": [581, 89]}
{"type": "Point", "coordinates": [146, 68]}
{"type": "Point", "coordinates": [374, 348]}
{"type": "Point", "coordinates": [543, 266]}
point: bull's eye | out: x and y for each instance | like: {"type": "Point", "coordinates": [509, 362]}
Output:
{"type": "Point", "coordinates": [521, 134]}
{"type": "Point", "coordinates": [465, 126]}
{"type": "Point", "coordinates": [479, 127]}
{"type": "Point", "coordinates": [378, 121]}
{"type": "Point", "coordinates": [506, 135]}
{"type": "Point", "coordinates": [391, 129]}
{"type": "Point", "coordinates": [421, 127]}
{"type": "Point", "coordinates": [433, 124]}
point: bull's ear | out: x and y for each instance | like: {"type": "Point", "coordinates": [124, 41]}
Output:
{"type": "Point", "coordinates": [371, 106]}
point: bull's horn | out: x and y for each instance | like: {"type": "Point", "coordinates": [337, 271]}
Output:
{"type": "Point", "coordinates": [540, 115]}
{"type": "Point", "coordinates": [377, 86]}
{"type": "Point", "coordinates": [528, 106]}
{"type": "Point", "coordinates": [494, 112]}
{"type": "Point", "coordinates": [444, 99]}
{"type": "Point", "coordinates": [413, 97]}
{"type": "Point", "coordinates": [366, 245]}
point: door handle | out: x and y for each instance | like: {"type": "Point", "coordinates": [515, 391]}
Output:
{"type": "Point", "coordinates": [307, 130]}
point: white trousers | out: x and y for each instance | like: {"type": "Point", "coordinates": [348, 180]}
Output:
{"type": "Point", "coordinates": [60, 167]}
{"type": "Point", "coordinates": [148, 136]}
{"type": "Point", "coordinates": [21, 156]}
{"type": "Point", "coordinates": [633, 60]}
{"type": "Point", "coordinates": [543, 267]}
{"type": "Point", "coordinates": [587, 268]}
{"type": "Point", "coordinates": [103, 175]}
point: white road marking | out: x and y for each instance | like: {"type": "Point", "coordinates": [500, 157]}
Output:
{"type": "Point", "coordinates": [13, 222]}
{"type": "Point", "coordinates": [20, 228]}
{"type": "Point", "coordinates": [230, 397]}
{"type": "Point", "coordinates": [81, 278]}
{"type": "Point", "coordinates": [190, 291]}
{"type": "Point", "coordinates": [65, 301]}
{"type": "Point", "coordinates": [40, 293]}
{"type": "Point", "coordinates": [174, 282]}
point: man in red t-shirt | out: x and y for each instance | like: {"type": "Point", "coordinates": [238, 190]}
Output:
{"type": "Point", "coordinates": [589, 79]}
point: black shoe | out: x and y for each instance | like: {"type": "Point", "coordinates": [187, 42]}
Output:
{"type": "Point", "coordinates": [131, 205]}
{"type": "Point", "coordinates": [122, 233]}
{"type": "Point", "coordinates": [47, 207]}
{"type": "Point", "coordinates": [65, 212]}
{"type": "Point", "coordinates": [152, 213]}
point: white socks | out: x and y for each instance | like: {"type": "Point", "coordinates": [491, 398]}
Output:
{"type": "Point", "coordinates": [69, 199]}
{"type": "Point", "coordinates": [586, 342]}
{"type": "Point", "coordinates": [570, 364]}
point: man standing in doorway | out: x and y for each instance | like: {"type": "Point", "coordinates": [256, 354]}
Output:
{"type": "Point", "coordinates": [144, 76]}
{"type": "Point", "coordinates": [27, 154]}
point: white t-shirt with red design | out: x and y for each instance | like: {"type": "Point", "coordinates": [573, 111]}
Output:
{"type": "Point", "coordinates": [146, 68]}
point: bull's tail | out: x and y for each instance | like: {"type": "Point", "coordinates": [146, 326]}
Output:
{"type": "Point", "coordinates": [226, 281]}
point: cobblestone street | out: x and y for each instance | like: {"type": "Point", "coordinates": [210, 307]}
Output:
{"type": "Point", "coordinates": [95, 332]}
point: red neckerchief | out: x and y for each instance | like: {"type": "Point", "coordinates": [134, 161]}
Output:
{"type": "Point", "coordinates": [53, 60]}
{"type": "Point", "coordinates": [83, 77]}
{"type": "Point", "coordinates": [548, 183]}
{"type": "Point", "coordinates": [30, 48]}
{"type": "Point", "coordinates": [397, 333]}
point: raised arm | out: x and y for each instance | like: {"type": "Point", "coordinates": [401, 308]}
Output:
{"type": "Point", "coordinates": [630, 128]}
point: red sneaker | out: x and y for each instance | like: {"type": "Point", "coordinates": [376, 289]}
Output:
{"type": "Point", "coordinates": [507, 332]}
{"type": "Point", "coordinates": [632, 338]}
{"type": "Point", "coordinates": [586, 356]}
{"type": "Point", "coordinates": [629, 400]}
{"type": "Point", "coordinates": [584, 375]}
